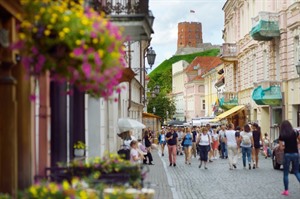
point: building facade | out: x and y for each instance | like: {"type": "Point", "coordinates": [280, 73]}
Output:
{"type": "Point", "coordinates": [260, 53]}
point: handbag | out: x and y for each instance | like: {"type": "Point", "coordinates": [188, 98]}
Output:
{"type": "Point", "coordinates": [182, 143]}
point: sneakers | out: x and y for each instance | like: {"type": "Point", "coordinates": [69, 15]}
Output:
{"type": "Point", "coordinates": [253, 166]}
{"type": "Point", "coordinates": [249, 166]}
{"type": "Point", "coordinates": [174, 165]}
{"type": "Point", "coordinates": [170, 164]}
{"type": "Point", "coordinates": [285, 193]}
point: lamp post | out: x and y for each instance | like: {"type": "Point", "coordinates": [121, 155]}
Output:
{"type": "Point", "coordinates": [154, 109]}
{"type": "Point", "coordinates": [298, 68]}
{"type": "Point", "coordinates": [150, 57]}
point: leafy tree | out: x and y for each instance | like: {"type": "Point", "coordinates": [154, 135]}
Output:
{"type": "Point", "coordinates": [162, 104]}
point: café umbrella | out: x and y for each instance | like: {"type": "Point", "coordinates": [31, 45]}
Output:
{"type": "Point", "coordinates": [126, 124]}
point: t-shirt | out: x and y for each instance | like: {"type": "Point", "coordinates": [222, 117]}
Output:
{"type": "Point", "coordinates": [134, 153]}
{"type": "Point", "coordinates": [245, 138]}
{"type": "Point", "coordinates": [194, 136]}
{"type": "Point", "coordinates": [172, 141]}
{"type": "Point", "coordinates": [162, 137]}
{"type": "Point", "coordinates": [204, 140]}
{"type": "Point", "coordinates": [231, 135]}
{"type": "Point", "coordinates": [147, 141]}
{"type": "Point", "coordinates": [256, 138]}
{"type": "Point", "coordinates": [222, 135]}
{"type": "Point", "coordinates": [215, 137]}
{"type": "Point", "coordinates": [290, 143]}
{"type": "Point", "coordinates": [188, 140]}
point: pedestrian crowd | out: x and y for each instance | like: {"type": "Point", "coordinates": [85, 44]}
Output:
{"type": "Point", "coordinates": [225, 142]}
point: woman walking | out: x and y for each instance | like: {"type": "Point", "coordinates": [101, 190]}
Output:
{"type": "Point", "coordinates": [266, 142]}
{"type": "Point", "coordinates": [288, 141]}
{"type": "Point", "coordinates": [204, 145]}
{"type": "Point", "coordinates": [215, 144]}
{"type": "Point", "coordinates": [231, 137]}
{"type": "Point", "coordinates": [172, 140]}
{"type": "Point", "coordinates": [162, 141]}
{"type": "Point", "coordinates": [246, 145]}
{"type": "Point", "coordinates": [257, 138]}
{"type": "Point", "coordinates": [187, 145]}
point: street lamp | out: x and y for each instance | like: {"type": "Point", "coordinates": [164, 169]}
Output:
{"type": "Point", "coordinates": [298, 68]}
{"type": "Point", "coordinates": [150, 56]}
{"type": "Point", "coordinates": [154, 109]}
{"type": "Point", "coordinates": [156, 89]}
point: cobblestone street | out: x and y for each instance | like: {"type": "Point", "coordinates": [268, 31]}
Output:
{"type": "Point", "coordinates": [218, 182]}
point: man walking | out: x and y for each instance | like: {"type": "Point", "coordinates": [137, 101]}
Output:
{"type": "Point", "coordinates": [172, 140]}
{"type": "Point", "coordinates": [194, 146]}
{"type": "Point", "coordinates": [222, 142]}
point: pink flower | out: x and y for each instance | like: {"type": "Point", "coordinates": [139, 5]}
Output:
{"type": "Point", "coordinates": [78, 51]}
{"type": "Point", "coordinates": [86, 68]}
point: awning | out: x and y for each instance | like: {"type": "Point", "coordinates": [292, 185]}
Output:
{"type": "Point", "coordinates": [228, 113]}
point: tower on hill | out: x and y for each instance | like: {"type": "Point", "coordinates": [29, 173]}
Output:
{"type": "Point", "coordinates": [189, 35]}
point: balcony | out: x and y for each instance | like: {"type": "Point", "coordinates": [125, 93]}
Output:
{"type": "Point", "coordinates": [133, 16]}
{"type": "Point", "coordinates": [267, 93]}
{"type": "Point", "coordinates": [228, 100]}
{"type": "Point", "coordinates": [265, 26]}
{"type": "Point", "coordinates": [229, 52]}
{"type": "Point", "coordinates": [220, 82]}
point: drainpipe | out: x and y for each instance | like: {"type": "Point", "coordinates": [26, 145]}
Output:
{"type": "Point", "coordinates": [129, 65]}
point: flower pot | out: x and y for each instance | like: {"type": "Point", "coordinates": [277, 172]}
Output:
{"type": "Point", "coordinates": [78, 152]}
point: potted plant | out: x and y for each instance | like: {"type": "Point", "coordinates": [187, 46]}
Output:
{"type": "Point", "coordinates": [74, 42]}
{"type": "Point", "coordinates": [79, 149]}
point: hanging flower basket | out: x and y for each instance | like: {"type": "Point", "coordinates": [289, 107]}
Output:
{"type": "Point", "coordinates": [74, 43]}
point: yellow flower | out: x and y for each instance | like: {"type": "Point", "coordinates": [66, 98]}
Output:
{"type": "Point", "coordinates": [85, 22]}
{"type": "Point", "coordinates": [53, 188]}
{"type": "Point", "coordinates": [66, 18]}
{"type": "Point", "coordinates": [37, 17]}
{"type": "Point", "coordinates": [47, 32]}
{"type": "Point", "coordinates": [61, 35]}
{"type": "Point", "coordinates": [71, 54]}
{"type": "Point", "coordinates": [54, 15]}
{"type": "Point", "coordinates": [81, 32]}
{"type": "Point", "coordinates": [83, 194]}
{"type": "Point", "coordinates": [49, 26]}
{"type": "Point", "coordinates": [95, 40]}
{"type": "Point", "coordinates": [33, 191]}
{"type": "Point", "coordinates": [78, 42]}
{"type": "Point", "coordinates": [22, 36]}
{"type": "Point", "coordinates": [42, 10]}
{"type": "Point", "coordinates": [26, 24]}
{"type": "Point", "coordinates": [66, 30]}
{"type": "Point", "coordinates": [101, 53]}
{"type": "Point", "coordinates": [24, 2]}
{"type": "Point", "coordinates": [65, 185]}
{"type": "Point", "coordinates": [53, 20]}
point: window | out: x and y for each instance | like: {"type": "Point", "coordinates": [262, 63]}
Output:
{"type": "Point", "coordinates": [203, 104]}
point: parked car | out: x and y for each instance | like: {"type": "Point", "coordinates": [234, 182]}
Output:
{"type": "Point", "coordinates": [278, 154]}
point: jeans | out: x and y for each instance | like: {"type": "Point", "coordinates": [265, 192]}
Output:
{"type": "Point", "coordinates": [224, 152]}
{"type": "Point", "coordinates": [288, 158]}
{"type": "Point", "coordinates": [246, 151]}
{"type": "Point", "coordinates": [204, 149]}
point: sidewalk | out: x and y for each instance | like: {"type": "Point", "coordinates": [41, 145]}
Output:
{"type": "Point", "coordinates": [157, 178]}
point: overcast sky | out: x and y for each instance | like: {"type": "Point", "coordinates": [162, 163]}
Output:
{"type": "Point", "coordinates": [168, 13]}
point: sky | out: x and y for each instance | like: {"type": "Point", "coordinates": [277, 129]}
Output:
{"type": "Point", "coordinates": [168, 13]}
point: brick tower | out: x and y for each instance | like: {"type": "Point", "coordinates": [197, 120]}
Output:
{"type": "Point", "coordinates": [189, 34]}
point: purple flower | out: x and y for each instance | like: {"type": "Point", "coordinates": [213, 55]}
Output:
{"type": "Point", "coordinates": [86, 68]}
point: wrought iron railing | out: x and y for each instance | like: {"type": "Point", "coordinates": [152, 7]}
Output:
{"type": "Point", "coordinates": [120, 7]}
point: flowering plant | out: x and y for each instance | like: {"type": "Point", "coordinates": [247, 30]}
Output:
{"type": "Point", "coordinates": [80, 145]}
{"type": "Point", "coordinates": [74, 43]}
{"type": "Point", "coordinates": [75, 189]}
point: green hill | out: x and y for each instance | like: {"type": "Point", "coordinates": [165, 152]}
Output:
{"type": "Point", "coordinates": [162, 74]}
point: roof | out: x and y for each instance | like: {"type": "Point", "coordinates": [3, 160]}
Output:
{"type": "Point", "coordinates": [205, 64]}
{"type": "Point", "coordinates": [150, 115]}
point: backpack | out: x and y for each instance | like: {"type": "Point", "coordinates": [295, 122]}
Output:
{"type": "Point", "coordinates": [246, 139]}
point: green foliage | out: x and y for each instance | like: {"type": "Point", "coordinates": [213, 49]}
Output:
{"type": "Point", "coordinates": [162, 74]}
{"type": "Point", "coordinates": [162, 104]}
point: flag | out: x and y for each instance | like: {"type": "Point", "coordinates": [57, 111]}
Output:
{"type": "Point", "coordinates": [192, 11]}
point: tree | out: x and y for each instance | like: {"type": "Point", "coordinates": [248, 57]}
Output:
{"type": "Point", "coordinates": [162, 104]}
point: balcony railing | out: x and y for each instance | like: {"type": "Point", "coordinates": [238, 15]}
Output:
{"type": "Point", "coordinates": [267, 93]}
{"type": "Point", "coordinates": [121, 7]}
{"type": "Point", "coordinates": [229, 51]}
{"type": "Point", "coordinates": [265, 26]}
{"type": "Point", "coordinates": [228, 100]}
